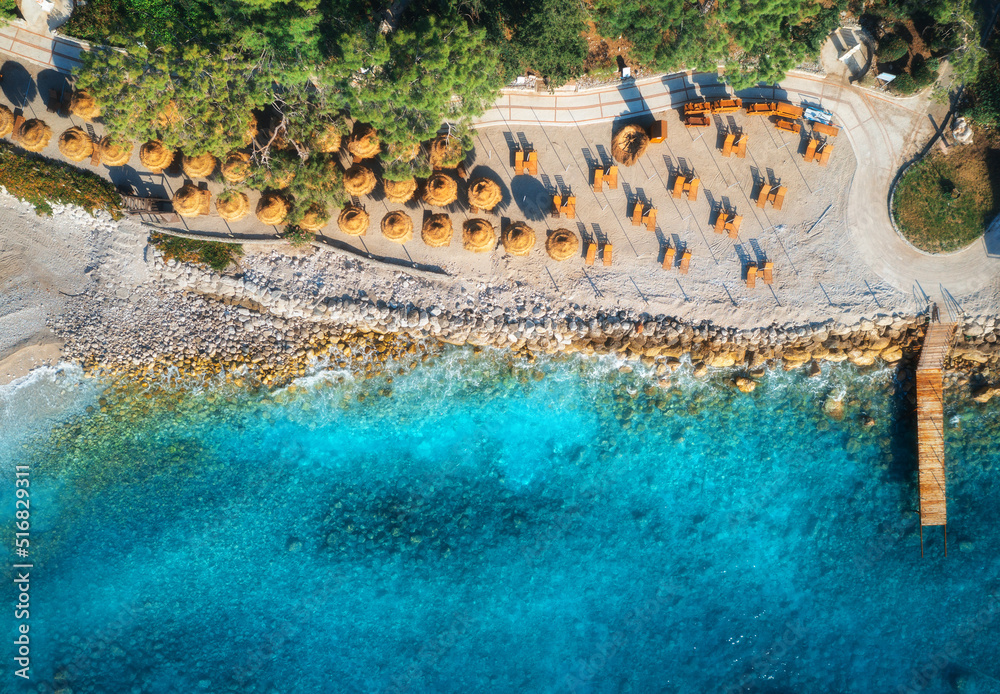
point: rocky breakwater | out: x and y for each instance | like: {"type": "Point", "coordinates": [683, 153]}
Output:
{"type": "Point", "coordinates": [188, 320]}
{"type": "Point", "coordinates": [543, 329]}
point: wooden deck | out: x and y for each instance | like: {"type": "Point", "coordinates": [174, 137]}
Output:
{"type": "Point", "coordinates": [930, 423]}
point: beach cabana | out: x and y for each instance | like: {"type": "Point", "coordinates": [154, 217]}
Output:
{"type": "Point", "coordinates": [272, 208]}
{"type": "Point", "coordinates": [82, 105]}
{"type": "Point", "coordinates": [191, 201]}
{"type": "Point", "coordinates": [359, 180]}
{"type": "Point", "coordinates": [6, 121]}
{"type": "Point", "coordinates": [75, 144]}
{"type": "Point", "coordinates": [353, 221]}
{"type": "Point", "coordinates": [629, 144]}
{"type": "Point", "coordinates": [400, 192]}
{"type": "Point", "coordinates": [115, 152]}
{"type": "Point", "coordinates": [232, 205]}
{"type": "Point", "coordinates": [397, 226]}
{"type": "Point", "coordinates": [364, 142]}
{"type": "Point", "coordinates": [441, 190]}
{"type": "Point", "coordinates": [518, 239]}
{"type": "Point", "coordinates": [155, 157]}
{"type": "Point", "coordinates": [437, 230]}
{"type": "Point", "coordinates": [478, 236]}
{"type": "Point", "coordinates": [236, 168]}
{"type": "Point", "coordinates": [484, 194]}
{"type": "Point", "coordinates": [35, 135]}
{"type": "Point", "coordinates": [201, 166]}
{"type": "Point", "coordinates": [315, 218]}
{"type": "Point", "coordinates": [562, 244]}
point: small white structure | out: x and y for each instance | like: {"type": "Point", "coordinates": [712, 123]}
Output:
{"type": "Point", "coordinates": [962, 131]}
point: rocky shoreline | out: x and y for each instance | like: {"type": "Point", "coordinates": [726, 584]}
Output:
{"type": "Point", "coordinates": [192, 322]}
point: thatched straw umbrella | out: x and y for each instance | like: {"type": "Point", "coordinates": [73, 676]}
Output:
{"type": "Point", "coordinates": [359, 180]}
{"type": "Point", "coordinates": [353, 221]}
{"type": "Point", "coordinates": [75, 144]}
{"type": "Point", "coordinates": [232, 205]}
{"type": "Point", "coordinates": [441, 190]}
{"type": "Point", "coordinates": [518, 239]}
{"type": "Point", "coordinates": [315, 217]}
{"type": "Point", "coordinates": [484, 193]}
{"type": "Point", "coordinates": [445, 152]}
{"type": "Point", "coordinates": [35, 135]}
{"type": "Point", "coordinates": [6, 121]}
{"type": "Point", "coordinates": [562, 244]}
{"type": "Point", "coordinates": [364, 142]}
{"type": "Point", "coordinates": [236, 167]}
{"type": "Point", "coordinates": [201, 166]}
{"type": "Point", "coordinates": [272, 209]}
{"type": "Point", "coordinates": [397, 226]}
{"type": "Point", "coordinates": [190, 201]}
{"type": "Point", "coordinates": [326, 139]}
{"type": "Point", "coordinates": [478, 236]}
{"type": "Point", "coordinates": [629, 144]}
{"type": "Point", "coordinates": [115, 152]}
{"type": "Point", "coordinates": [169, 116]}
{"type": "Point", "coordinates": [437, 230]}
{"type": "Point", "coordinates": [155, 157]}
{"type": "Point", "coordinates": [400, 192]}
{"type": "Point", "coordinates": [83, 105]}
{"type": "Point", "coordinates": [250, 134]}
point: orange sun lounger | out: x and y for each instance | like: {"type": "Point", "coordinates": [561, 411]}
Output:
{"type": "Point", "coordinates": [765, 191]}
{"type": "Point", "coordinates": [811, 149]}
{"type": "Point", "coordinates": [650, 219]}
{"type": "Point", "coordinates": [612, 177]}
{"type": "Point", "coordinates": [751, 276]}
{"type": "Point", "coordinates": [741, 147]}
{"type": "Point", "coordinates": [697, 120]}
{"type": "Point", "coordinates": [668, 258]}
{"type": "Point", "coordinates": [685, 262]}
{"type": "Point", "coordinates": [824, 156]}
{"type": "Point", "coordinates": [765, 109]}
{"type": "Point", "coordinates": [693, 107]}
{"type": "Point", "coordinates": [533, 163]}
{"type": "Point", "coordinates": [598, 180]}
{"type": "Point", "coordinates": [733, 226]}
{"type": "Point", "coordinates": [767, 272]}
{"type": "Point", "coordinates": [591, 253]}
{"type": "Point", "coordinates": [787, 125]}
{"type": "Point", "coordinates": [727, 146]}
{"type": "Point", "coordinates": [824, 129]}
{"type": "Point", "coordinates": [778, 197]}
{"type": "Point", "coordinates": [637, 214]}
{"type": "Point", "coordinates": [607, 254]}
{"type": "Point", "coordinates": [658, 131]}
{"type": "Point", "coordinates": [785, 110]}
{"type": "Point", "coordinates": [518, 162]}
{"type": "Point", "coordinates": [727, 105]}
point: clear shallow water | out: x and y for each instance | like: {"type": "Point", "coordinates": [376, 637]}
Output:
{"type": "Point", "coordinates": [469, 527]}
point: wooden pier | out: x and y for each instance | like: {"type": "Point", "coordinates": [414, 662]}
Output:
{"type": "Point", "coordinates": [930, 428]}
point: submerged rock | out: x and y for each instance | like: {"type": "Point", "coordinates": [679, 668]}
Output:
{"type": "Point", "coordinates": [834, 407]}
{"type": "Point", "coordinates": [745, 385]}
{"type": "Point", "coordinates": [985, 393]}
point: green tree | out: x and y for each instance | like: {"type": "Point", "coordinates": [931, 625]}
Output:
{"type": "Point", "coordinates": [552, 40]}
{"type": "Point", "coordinates": [891, 48]}
{"type": "Point", "coordinates": [194, 98]}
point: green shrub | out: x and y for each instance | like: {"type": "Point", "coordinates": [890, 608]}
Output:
{"type": "Point", "coordinates": [41, 181]}
{"type": "Point", "coordinates": [904, 84]}
{"type": "Point", "coordinates": [891, 48]}
{"type": "Point", "coordinates": [8, 8]}
{"type": "Point", "coordinates": [298, 237]}
{"type": "Point", "coordinates": [215, 255]}
{"type": "Point", "coordinates": [924, 73]}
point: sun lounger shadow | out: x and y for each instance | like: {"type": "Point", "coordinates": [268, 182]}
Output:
{"type": "Point", "coordinates": [759, 253]}
{"type": "Point", "coordinates": [605, 159]}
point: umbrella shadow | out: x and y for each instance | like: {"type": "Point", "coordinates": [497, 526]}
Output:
{"type": "Point", "coordinates": [526, 192]}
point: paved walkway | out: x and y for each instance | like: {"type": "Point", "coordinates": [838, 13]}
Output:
{"type": "Point", "coordinates": [883, 131]}
{"type": "Point", "coordinates": [47, 50]}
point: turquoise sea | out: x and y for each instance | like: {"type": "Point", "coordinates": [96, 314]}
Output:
{"type": "Point", "coordinates": [475, 524]}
